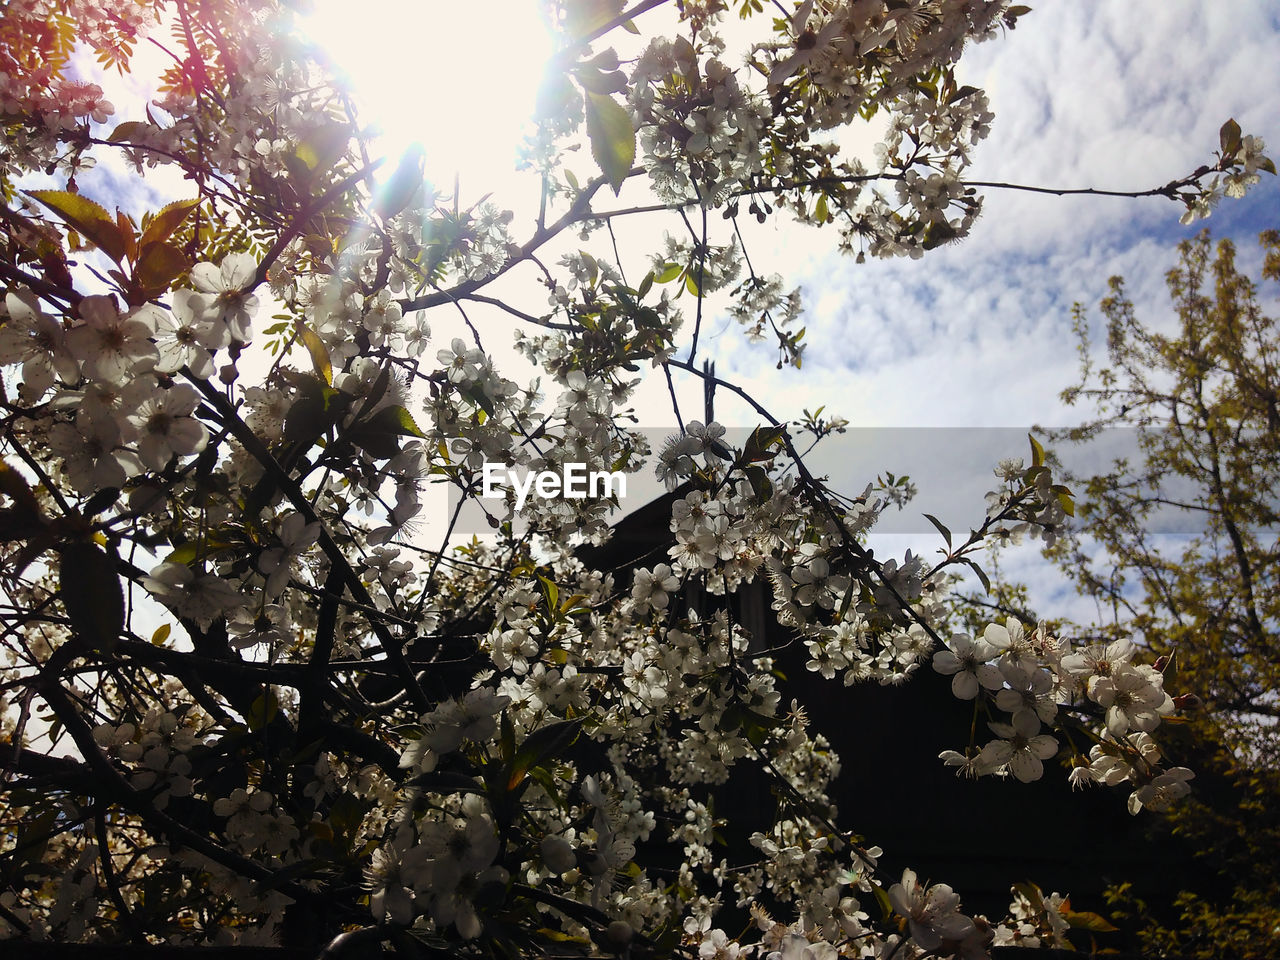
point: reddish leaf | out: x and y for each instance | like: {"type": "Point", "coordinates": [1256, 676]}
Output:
{"type": "Point", "coordinates": [160, 264]}
{"type": "Point", "coordinates": [167, 220]}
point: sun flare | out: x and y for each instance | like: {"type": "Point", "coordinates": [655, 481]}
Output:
{"type": "Point", "coordinates": [458, 78]}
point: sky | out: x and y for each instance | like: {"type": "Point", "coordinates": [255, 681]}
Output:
{"type": "Point", "coordinates": [953, 357]}
{"type": "Point", "coordinates": [1118, 95]}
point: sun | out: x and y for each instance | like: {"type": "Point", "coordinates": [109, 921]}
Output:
{"type": "Point", "coordinates": [457, 77]}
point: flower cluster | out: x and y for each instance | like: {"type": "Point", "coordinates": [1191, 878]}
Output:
{"type": "Point", "coordinates": [1040, 682]}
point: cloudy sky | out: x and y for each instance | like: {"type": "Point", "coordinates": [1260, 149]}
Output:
{"type": "Point", "coordinates": [1119, 95]}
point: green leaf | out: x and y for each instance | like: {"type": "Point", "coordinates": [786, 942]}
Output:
{"type": "Point", "coordinates": [90, 588]}
{"type": "Point", "coordinates": [167, 220]}
{"type": "Point", "coordinates": [379, 444]}
{"type": "Point", "coordinates": [613, 140]}
{"type": "Point", "coordinates": [552, 592]}
{"type": "Point", "coordinates": [376, 392]}
{"type": "Point", "coordinates": [668, 272]}
{"type": "Point", "coordinates": [481, 399]}
{"type": "Point", "coordinates": [506, 738]}
{"type": "Point", "coordinates": [161, 634]}
{"type": "Point", "coordinates": [1032, 474]}
{"type": "Point", "coordinates": [1229, 137]}
{"type": "Point", "coordinates": [186, 553]}
{"type": "Point", "coordinates": [447, 781]}
{"type": "Point", "coordinates": [104, 499]}
{"type": "Point", "coordinates": [1067, 502]}
{"type": "Point", "coordinates": [544, 778]}
{"type": "Point", "coordinates": [555, 936]}
{"type": "Point", "coordinates": [540, 746]}
{"type": "Point", "coordinates": [159, 265]}
{"type": "Point", "coordinates": [262, 711]}
{"type": "Point", "coordinates": [845, 604]}
{"type": "Point", "coordinates": [1086, 920]}
{"type": "Point", "coordinates": [1032, 893]}
{"type": "Point", "coordinates": [596, 81]}
{"type": "Point", "coordinates": [87, 218]}
{"type": "Point", "coordinates": [1037, 452]}
{"type": "Point", "coordinates": [125, 226]}
{"type": "Point", "coordinates": [593, 266]}
{"type": "Point", "coordinates": [882, 898]}
{"type": "Point", "coordinates": [320, 148]}
{"type": "Point", "coordinates": [941, 528]}
{"type": "Point", "coordinates": [193, 550]}
{"type": "Point", "coordinates": [575, 604]}
{"type": "Point", "coordinates": [319, 353]}
{"type": "Point", "coordinates": [605, 60]}
{"type": "Point", "coordinates": [691, 284]}
{"type": "Point", "coordinates": [347, 813]}
{"type": "Point", "coordinates": [129, 130]}
{"type": "Point", "coordinates": [33, 837]}
{"type": "Point", "coordinates": [379, 435]}
{"type": "Point", "coordinates": [402, 421]}
{"type": "Point", "coordinates": [760, 483]}
{"type": "Point", "coordinates": [761, 442]}
{"type": "Point", "coordinates": [982, 574]}
{"type": "Point", "coordinates": [14, 485]}
{"type": "Point", "coordinates": [685, 52]}
{"type": "Point", "coordinates": [307, 419]}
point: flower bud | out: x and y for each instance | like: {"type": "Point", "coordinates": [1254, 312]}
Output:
{"type": "Point", "coordinates": [557, 854]}
{"type": "Point", "coordinates": [619, 932]}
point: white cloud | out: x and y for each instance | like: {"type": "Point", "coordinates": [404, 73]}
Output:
{"type": "Point", "coordinates": [1112, 95]}
{"type": "Point", "coordinates": [1116, 95]}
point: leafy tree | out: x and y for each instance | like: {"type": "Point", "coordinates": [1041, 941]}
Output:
{"type": "Point", "coordinates": [1177, 545]}
{"type": "Point", "coordinates": [247, 702]}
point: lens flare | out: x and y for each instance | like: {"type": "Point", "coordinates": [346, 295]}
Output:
{"type": "Point", "coordinates": [458, 78]}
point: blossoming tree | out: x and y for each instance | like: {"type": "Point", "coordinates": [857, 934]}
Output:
{"type": "Point", "coordinates": [1188, 522]}
{"type": "Point", "coordinates": [244, 701]}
